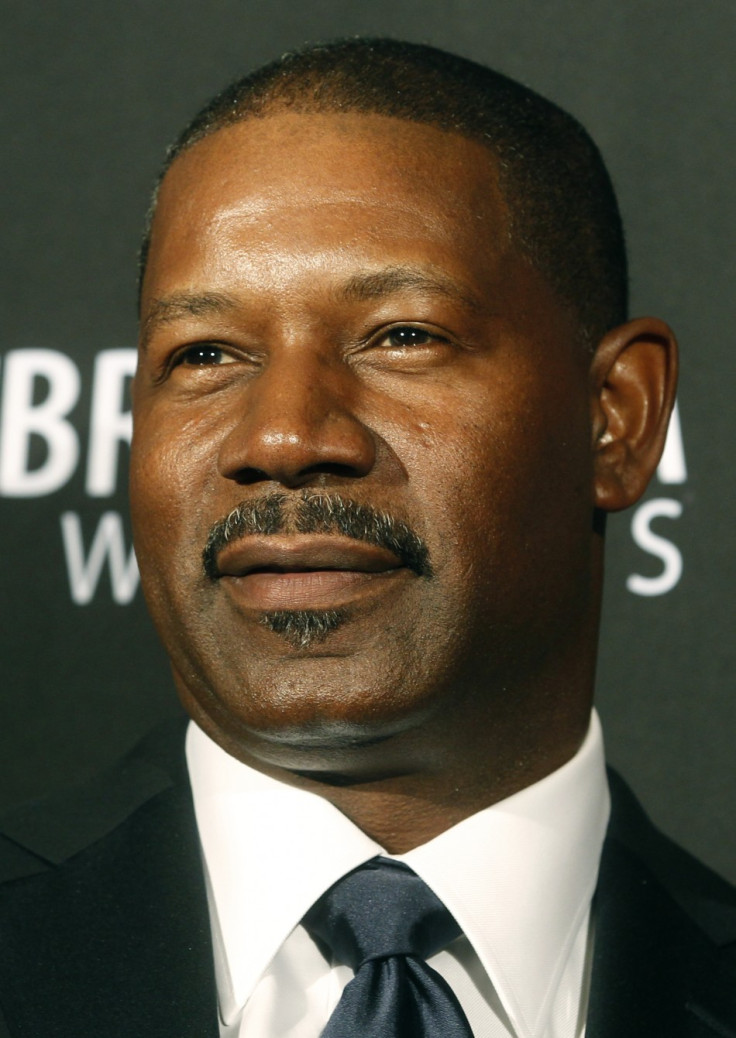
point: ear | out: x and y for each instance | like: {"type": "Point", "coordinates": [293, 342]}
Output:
{"type": "Point", "coordinates": [633, 382]}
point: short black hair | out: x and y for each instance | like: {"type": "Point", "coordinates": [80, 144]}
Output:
{"type": "Point", "coordinates": [563, 210]}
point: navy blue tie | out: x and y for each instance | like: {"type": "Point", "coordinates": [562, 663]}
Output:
{"type": "Point", "coordinates": [383, 921]}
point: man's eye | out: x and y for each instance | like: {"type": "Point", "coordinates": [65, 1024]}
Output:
{"type": "Point", "coordinates": [203, 354]}
{"type": "Point", "coordinates": [402, 337]}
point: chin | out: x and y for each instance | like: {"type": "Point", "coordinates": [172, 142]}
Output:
{"type": "Point", "coordinates": [343, 726]}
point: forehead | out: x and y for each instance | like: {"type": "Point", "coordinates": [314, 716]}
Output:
{"type": "Point", "coordinates": [307, 178]}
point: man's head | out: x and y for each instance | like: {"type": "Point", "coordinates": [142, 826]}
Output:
{"type": "Point", "coordinates": [370, 451]}
{"type": "Point", "coordinates": [561, 205]}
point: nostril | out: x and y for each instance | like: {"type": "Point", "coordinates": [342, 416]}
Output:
{"type": "Point", "coordinates": [247, 477]}
{"type": "Point", "coordinates": [333, 468]}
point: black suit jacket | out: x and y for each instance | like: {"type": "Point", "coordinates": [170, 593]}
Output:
{"type": "Point", "coordinates": [104, 929]}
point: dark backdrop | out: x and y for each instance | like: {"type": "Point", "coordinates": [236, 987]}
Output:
{"type": "Point", "coordinates": [92, 92]}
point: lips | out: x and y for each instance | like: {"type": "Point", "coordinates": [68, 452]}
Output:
{"type": "Point", "coordinates": [304, 571]}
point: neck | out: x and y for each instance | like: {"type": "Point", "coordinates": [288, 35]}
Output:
{"type": "Point", "coordinates": [405, 811]}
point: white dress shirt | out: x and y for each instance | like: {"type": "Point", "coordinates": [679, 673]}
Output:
{"type": "Point", "coordinates": [518, 877]}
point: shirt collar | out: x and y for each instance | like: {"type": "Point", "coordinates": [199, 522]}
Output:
{"type": "Point", "coordinates": [517, 876]}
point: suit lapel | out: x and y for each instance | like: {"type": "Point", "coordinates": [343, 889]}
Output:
{"type": "Point", "coordinates": [654, 971]}
{"type": "Point", "coordinates": [116, 941]}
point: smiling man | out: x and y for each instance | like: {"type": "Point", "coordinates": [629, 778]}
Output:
{"type": "Point", "coordinates": [387, 393]}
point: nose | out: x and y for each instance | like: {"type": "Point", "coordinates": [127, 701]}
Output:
{"type": "Point", "coordinates": [296, 424]}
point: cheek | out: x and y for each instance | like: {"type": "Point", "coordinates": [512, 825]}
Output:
{"type": "Point", "coordinates": [174, 457]}
{"type": "Point", "coordinates": [505, 481]}
{"type": "Point", "coordinates": [171, 469]}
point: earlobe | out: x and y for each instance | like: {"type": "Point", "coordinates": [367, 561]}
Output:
{"type": "Point", "coordinates": [633, 382]}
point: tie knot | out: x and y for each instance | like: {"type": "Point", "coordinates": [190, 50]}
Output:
{"type": "Point", "coordinates": [378, 910]}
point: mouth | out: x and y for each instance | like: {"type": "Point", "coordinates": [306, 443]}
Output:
{"type": "Point", "coordinates": [305, 571]}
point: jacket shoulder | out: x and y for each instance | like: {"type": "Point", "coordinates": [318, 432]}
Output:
{"type": "Point", "coordinates": [706, 898]}
{"type": "Point", "coordinates": [51, 830]}
{"type": "Point", "coordinates": [106, 915]}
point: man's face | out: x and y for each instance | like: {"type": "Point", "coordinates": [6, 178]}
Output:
{"type": "Point", "coordinates": [340, 342]}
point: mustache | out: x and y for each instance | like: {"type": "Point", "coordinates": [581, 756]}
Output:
{"type": "Point", "coordinates": [316, 512]}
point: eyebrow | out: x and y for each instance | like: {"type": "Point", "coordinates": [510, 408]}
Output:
{"type": "Point", "coordinates": [180, 305]}
{"type": "Point", "coordinates": [382, 283]}
{"type": "Point", "coordinates": [360, 287]}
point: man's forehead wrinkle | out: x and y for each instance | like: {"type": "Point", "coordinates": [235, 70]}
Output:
{"type": "Point", "coordinates": [178, 305]}
{"type": "Point", "coordinates": [284, 198]}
